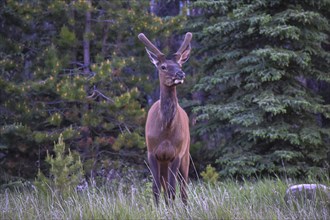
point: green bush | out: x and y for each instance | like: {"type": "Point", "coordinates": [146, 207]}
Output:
{"type": "Point", "coordinates": [210, 175]}
{"type": "Point", "coordinates": [66, 171]}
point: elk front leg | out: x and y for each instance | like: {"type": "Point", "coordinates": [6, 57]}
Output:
{"type": "Point", "coordinates": [164, 179]}
{"type": "Point", "coordinates": [154, 167]}
{"type": "Point", "coordinates": [174, 167]}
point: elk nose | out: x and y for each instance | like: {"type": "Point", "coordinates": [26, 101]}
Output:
{"type": "Point", "coordinates": [180, 74]}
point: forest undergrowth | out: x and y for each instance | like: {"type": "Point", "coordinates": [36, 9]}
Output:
{"type": "Point", "coordinates": [228, 199]}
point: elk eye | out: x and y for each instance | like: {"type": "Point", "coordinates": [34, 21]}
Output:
{"type": "Point", "coordinates": [163, 67]}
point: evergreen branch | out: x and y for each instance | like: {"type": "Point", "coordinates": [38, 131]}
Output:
{"type": "Point", "coordinates": [105, 20]}
{"type": "Point", "coordinates": [96, 93]}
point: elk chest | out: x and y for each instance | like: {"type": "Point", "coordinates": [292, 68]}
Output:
{"type": "Point", "coordinates": [158, 131]}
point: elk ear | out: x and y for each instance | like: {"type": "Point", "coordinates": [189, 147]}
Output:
{"type": "Point", "coordinates": [153, 57]}
{"type": "Point", "coordinates": [184, 56]}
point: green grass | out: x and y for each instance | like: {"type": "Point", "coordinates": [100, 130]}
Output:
{"type": "Point", "coordinates": [262, 199]}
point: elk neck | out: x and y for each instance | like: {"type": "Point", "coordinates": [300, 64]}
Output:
{"type": "Point", "coordinates": [168, 104]}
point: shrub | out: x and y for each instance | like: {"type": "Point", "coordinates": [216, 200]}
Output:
{"type": "Point", "coordinates": [210, 175]}
{"type": "Point", "coordinates": [66, 171]}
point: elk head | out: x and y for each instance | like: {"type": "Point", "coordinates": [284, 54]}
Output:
{"type": "Point", "coordinates": [170, 72]}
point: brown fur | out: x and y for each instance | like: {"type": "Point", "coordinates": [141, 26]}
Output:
{"type": "Point", "coordinates": [167, 126]}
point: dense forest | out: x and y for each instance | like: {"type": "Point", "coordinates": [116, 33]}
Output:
{"type": "Point", "coordinates": [256, 91]}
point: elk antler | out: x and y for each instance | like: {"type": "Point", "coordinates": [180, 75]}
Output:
{"type": "Point", "coordinates": [150, 45]}
{"type": "Point", "coordinates": [184, 44]}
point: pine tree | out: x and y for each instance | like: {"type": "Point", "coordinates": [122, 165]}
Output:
{"type": "Point", "coordinates": [48, 89]}
{"type": "Point", "coordinates": [259, 56]}
{"type": "Point", "coordinates": [66, 171]}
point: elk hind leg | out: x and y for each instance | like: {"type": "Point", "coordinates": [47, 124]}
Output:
{"type": "Point", "coordinates": [183, 178]}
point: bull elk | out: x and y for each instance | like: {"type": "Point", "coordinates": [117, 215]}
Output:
{"type": "Point", "coordinates": [167, 127]}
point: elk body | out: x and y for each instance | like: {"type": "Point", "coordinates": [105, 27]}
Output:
{"type": "Point", "coordinates": [167, 127]}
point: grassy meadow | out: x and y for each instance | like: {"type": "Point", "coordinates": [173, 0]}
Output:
{"type": "Point", "coordinates": [261, 199]}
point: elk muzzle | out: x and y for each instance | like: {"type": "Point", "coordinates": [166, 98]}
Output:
{"type": "Point", "coordinates": [179, 77]}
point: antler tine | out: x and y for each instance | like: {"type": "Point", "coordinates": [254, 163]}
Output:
{"type": "Point", "coordinates": [185, 43]}
{"type": "Point", "coordinates": [149, 45]}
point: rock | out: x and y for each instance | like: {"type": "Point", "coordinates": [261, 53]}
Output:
{"type": "Point", "coordinates": [301, 194]}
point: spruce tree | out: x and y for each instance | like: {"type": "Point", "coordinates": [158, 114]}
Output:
{"type": "Point", "coordinates": [259, 56]}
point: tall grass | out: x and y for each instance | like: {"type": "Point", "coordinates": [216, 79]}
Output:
{"type": "Point", "coordinates": [262, 199]}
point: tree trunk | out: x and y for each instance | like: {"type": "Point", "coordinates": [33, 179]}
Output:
{"type": "Point", "coordinates": [86, 41]}
{"type": "Point", "coordinates": [165, 8]}
{"type": "Point", "coordinates": [105, 38]}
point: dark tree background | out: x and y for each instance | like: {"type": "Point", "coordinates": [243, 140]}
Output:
{"type": "Point", "coordinates": [256, 91]}
{"type": "Point", "coordinates": [265, 84]}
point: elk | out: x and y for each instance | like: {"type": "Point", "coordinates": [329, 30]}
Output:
{"type": "Point", "coordinates": [167, 126]}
